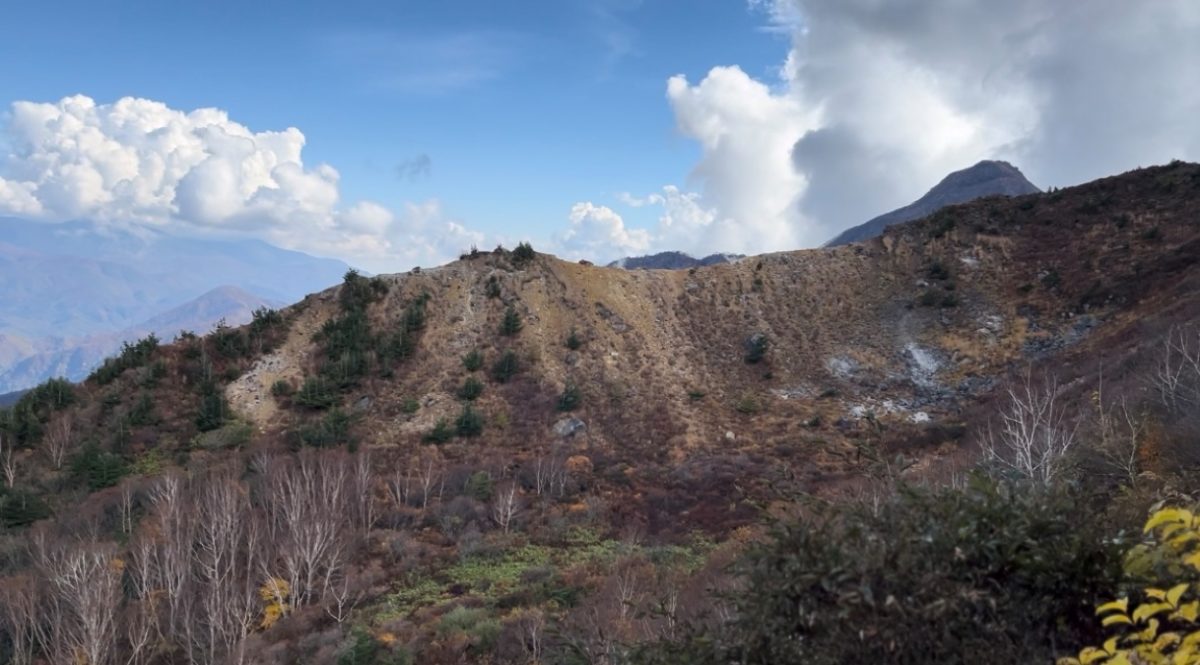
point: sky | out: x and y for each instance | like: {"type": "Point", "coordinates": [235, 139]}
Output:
{"type": "Point", "coordinates": [399, 134]}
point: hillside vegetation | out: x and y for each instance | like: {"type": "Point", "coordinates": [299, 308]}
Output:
{"type": "Point", "coordinates": [939, 441]}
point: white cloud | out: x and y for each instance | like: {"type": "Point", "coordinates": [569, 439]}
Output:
{"type": "Point", "coordinates": [139, 162]}
{"type": "Point", "coordinates": [876, 102]}
{"type": "Point", "coordinates": [599, 232]}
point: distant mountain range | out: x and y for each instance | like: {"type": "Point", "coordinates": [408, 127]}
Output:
{"type": "Point", "coordinates": [74, 291]}
{"type": "Point", "coordinates": [987, 178]}
{"type": "Point", "coordinates": [671, 261]}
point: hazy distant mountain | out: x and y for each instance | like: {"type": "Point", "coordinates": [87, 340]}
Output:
{"type": "Point", "coordinates": [987, 178]}
{"type": "Point", "coordinates": [75, 358]}
{"type": "Point", "coordinates": [70, 279]}
{"type": "Point", "coordinates": [73, 291]}
{"type": "Point", "coordinates": [671, 261]}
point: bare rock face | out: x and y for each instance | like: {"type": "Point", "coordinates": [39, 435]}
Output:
{"type": "Point", "coordinates": [987, 178]}
{"type": "Point", "coordinates": [569, 427]}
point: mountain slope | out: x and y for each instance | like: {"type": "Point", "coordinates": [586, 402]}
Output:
{"type": "Point", "coordinates": [629, 417]}
{"type": "Point", "coordinates": [987, 178]}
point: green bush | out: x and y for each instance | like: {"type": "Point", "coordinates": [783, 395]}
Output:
{"type": "Point", "coordinates": [506, 367]}
{"type": "Point", "coordinates": [231, 435]}
{"type": "Point", "coordinates": [469, 422]}
{"type": "Point", "coordinates": [360, 649]}
{"type": "Point", "coordinates": [573, 341]}
{"type": "Point", "coordinates": [281, 388]}
{"type": "Point", "coordinates": [143, 412]}
{"type": "Point", "coordinates": [213, 409]}
{"type": "Point", "coordinates": [410, 406]}
{"type": "Point", "coordinates": [96, 468]}
{"type": "Point", "coordinates": [19, 508]}
{"type": "Point", "coordinates": [316, 393]}
{"type": "Point", "coordinates": [570, 398]}
{"type": "Point", "coordinates": [511, 324]}
{"type": "Point", "coordinates": [523, 254]}
{"type": "Point", "coordinates": [986, 574]}
{"type": "Point", "coordinates": [441, 432]}
{"type": "Point", "coordinates": [358, 291]}
{"type": "Point", "coordinates": [479, 486]}
{"type": "Point", "coordinates": [473, 360]}
{"type": "Point", "coordinates": [132, 355]}
{"type": "Point", "coordinates": [492, 287]}
{"type": "Point", "coordinates": [471, 389]}
{"type": "Point", "coordinates": [331, 430]}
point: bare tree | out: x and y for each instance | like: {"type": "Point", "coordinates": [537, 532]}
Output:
{"type": "Point", "coordinates": [363, 492]}
{"type": "Point", "coordinates": [1034, 436]}
{"type": "Point", "coordinates": [84, 580]}
{"type": "Point", "coordinates": [59, 440]}
{"type": "Point", "coordinates": [308, 500]}
{"type": "Point", "coordinates": [19, 615]}
{"type": "Point", "coordinates": [226, 545]}
{"type": "Point", "coordinates": [8, 463]}
{"type": "Point", "coordinates": [506, 504]}
{"type": "Point", "coordinates": [1120, 433]}
{"type": "Point", "coordinates": [1176, 376]}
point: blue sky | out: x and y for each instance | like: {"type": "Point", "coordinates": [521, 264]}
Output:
{"type": "Point", "coordinates": [596, 128]}
{"type": "Point", "coordinates": [522, 108]}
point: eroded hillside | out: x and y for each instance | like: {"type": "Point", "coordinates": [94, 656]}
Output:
{"type": "Point", "coordinates": [527, 438]}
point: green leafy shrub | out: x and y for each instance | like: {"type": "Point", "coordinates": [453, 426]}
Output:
{"type": "Point", "coordinates": [511, 324]}
{"type": "Point", "coordinates": [96, 468]}
{"type": "Point", "coordinates": [213, 408]}
{"type": "Point", "coordinates": [523, 254]}
{"type": "Point", "coordinates": [316, 393]}
{"type": "Point", "coordinates": [573, 341]}
{"type": "Point", "coordinates": [479, 486]}
{"type": "Point", "coordinates": [469, 422]}
{"type": "Point", "coordinates": [986, 574]}
{"type": "Point", "coordinates": [231, 435]}
{"type": "Point", "coordinates": [473, 360]}
{"type": "Point", "coordinates": [331, 430]}
{"type": "Point", "coordinates": [441, 432]}
{"type": "Point", "coordinates": [131, 355]}
{"type": "Point", "coordinates": [410, 405]}
{"type": "Point", "coordinates": [471, 389]}
{"type": "Point", "coordinates": [20, 508]}
{"type": "Point", "coordinates": [281, 388]}
{"type": "Point", "coordinates": [506, 367]}
{"type": "Point", "coordinates": [492, 287]}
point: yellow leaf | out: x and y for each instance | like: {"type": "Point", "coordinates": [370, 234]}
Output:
{"type": "Point", "coordinates": [1115, 618]}
{"type": "Point", "coordinates": [1156, 594]}
{"type": "Point", "coordinates": [1121, 605]}
{"type": "Point", "coordinates": [1166, 516]}
{"type": "Point", "coordinates": [1146, 635]}
{"type": "Point", "coordinates": [1148, 610]}
{"type": "Point", "coordinates": [1187, 612]}
{"type": "Point", "coordinates": [1193, 560]}
{"type": "Point", "coordinates": [1176, 593]}
{"type": "Point", "coordinates": [1182, 539]}
{"type": "Point", "coordinates": [1166, 640]}
{"type": "Point", "coordinates": [1110, 645]}
{"type": "Point", "coordinates": [1067, 661]}
{"type": "Point", "coordinates": [1091, 655]}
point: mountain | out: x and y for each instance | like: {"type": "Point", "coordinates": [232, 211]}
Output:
{"type": "Point", "coordinates": [74, 358]}
{"type": "Point", "coordinates": [76, 278]}
{"type": "Point", "coordinates": [987, 178]}
{"type": "Point", "coordinates": [513, 445]}
{"type": "Point", "coordinates": [74, 291]}
{"type": "Point", "coordinates": [671, 261]}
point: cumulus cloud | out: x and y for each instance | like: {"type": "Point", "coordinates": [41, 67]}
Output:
{"type": "Point", "coordinates": [877, 101]}
{"type": "Point", "coordinates": [140, 162]}
{"type": "Point", "coordinates": [598, 231]}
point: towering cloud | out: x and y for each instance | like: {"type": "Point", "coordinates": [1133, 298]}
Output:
{"type": "Point", "coordinates": [876, 101]}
